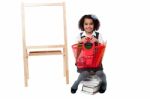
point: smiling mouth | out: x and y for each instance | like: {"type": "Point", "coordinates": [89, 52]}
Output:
{"type": "Point", "coordinates": [89, 28]}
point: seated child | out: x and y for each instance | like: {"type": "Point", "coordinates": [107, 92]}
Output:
{"type": "Point", "coordinates": [89, 24]}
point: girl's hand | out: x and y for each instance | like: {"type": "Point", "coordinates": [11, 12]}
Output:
{"type": "Point", "coordinates": [94, 40]}
{"type": "Point", "coordinates": [83, 40]}
{"type": "Point", "coordinates": [88, 39]}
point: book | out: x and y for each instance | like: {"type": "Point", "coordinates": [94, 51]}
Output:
{"type": "Point", "coordinates": [90, 90]}
{"type": "Point", "coordinates": [91, 84]}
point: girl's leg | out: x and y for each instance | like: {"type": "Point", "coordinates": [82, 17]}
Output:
{"type": "Point", "coordinates": [103, 85]}
{"type": "Point", "coordinates": [81, 77]}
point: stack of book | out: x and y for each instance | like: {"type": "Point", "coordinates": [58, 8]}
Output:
{"type": "Point", "coordinates": [91, 84]}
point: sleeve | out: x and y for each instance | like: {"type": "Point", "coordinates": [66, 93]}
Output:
{"type": "Point", "coordinates": [101, 39]}
{"type": "Point", "coordinates": [77, 38]}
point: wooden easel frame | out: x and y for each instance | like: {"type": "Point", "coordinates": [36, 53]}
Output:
{"type": "Point", "coordinates": [26, 54]}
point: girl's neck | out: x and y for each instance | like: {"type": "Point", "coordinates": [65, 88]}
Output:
{"type": "Point", "coordinates": [88, 33]}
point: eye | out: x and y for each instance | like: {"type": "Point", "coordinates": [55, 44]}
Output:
{"type": "Point", "coordinates": [85, 23]}
{"type": "Point", "coordinates": [91, 23]}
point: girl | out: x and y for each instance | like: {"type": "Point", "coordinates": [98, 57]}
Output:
{"type": "Point", "coordinates": [89, 24]}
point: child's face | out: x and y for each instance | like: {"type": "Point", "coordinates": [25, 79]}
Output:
{"type": "Point", "coordinates": [88, 25]}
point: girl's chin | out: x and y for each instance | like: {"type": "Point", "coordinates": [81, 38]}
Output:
{"type": "Point", "coordinates": [89, 31]}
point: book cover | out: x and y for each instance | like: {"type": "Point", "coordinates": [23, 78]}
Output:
{"type": "Point", "coordinates": [91, 84]}
{"type": "Point", "coordinates": [91, 90]}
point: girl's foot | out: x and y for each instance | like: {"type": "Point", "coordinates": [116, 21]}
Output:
{"type": "Point", "coordinates": [102, 88]}
{"type": "Point", "coordinates": [73, 90]}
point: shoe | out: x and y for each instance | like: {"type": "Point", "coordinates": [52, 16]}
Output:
{"type": "Point", "coordinates": [102, 88]}
{"type": "Point", "coordinates": [73, 90]}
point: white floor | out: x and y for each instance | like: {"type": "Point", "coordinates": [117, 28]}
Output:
{"type": "Point", "coordinates": [47, 81]}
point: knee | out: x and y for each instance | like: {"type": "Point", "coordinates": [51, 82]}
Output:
{"type": "Point", "coordinates": [100, 73]}
{"type": "Point", "coordinates": [85, 73]}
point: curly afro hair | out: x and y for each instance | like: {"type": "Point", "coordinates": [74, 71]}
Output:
{"type": "Point", "coordinates": [89, 16]}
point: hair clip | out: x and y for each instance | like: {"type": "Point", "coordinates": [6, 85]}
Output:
{"type": "Point", "coordinates": [93, 16]}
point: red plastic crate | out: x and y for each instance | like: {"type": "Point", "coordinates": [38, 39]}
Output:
{"type": "Point", "coordinates": [88, 57]}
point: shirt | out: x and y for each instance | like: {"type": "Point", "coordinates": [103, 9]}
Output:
{"type": "Point", "coordinates": [100, 39]}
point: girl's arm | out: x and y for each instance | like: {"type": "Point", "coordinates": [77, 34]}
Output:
{"type": "Point", "coordinates": [82, 40]}
{"type": "Point", "coordinates": [94, 40]}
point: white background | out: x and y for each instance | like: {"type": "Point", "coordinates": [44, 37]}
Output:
{"type": "Point", "coordinates": [124, 23]}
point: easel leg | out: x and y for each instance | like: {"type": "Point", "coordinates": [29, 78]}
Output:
{"type": "Point", "coordinates": [26, 71]}
{"type": "Point", "coordinates": [66, 71]}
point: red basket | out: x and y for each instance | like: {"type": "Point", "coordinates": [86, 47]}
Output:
{"type": "Point", "coordinates": [88, 58]}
